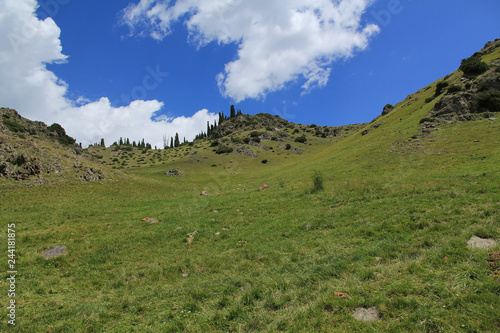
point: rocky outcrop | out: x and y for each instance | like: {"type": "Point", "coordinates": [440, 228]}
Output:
{"type": "Point", "coordinates": [471, 98]}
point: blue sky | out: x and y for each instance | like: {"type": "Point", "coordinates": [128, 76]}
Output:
{"type": "Point", "coordinates": [105, 68]}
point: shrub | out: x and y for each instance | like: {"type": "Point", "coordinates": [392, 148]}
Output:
{"type": "Point", "coordinates": [265, 161]}
{"type": "Point", "coordinates": [255, 134]}
{"type": "Point", "coordinates": [440, 87]}
{"type": "Point", "coordinates": [427, 120]}
{"type": "Point", "coordinates": [296, 131]}
{"type": "Point", "coordinates": [288, 146]}
{"type": "Point", "coordinates": [454, 89]}
{"type": "Point", "coordinates": [246, 140]}
{"type": "Point", "coordinates": [214, 143]}
{"type": "Point", "coordinates": [62, 137]}
{"type": "Point", "coordinates": [301, 139]}
{"type": "Point", "coordinates": [13, 126]}
{"type": "Point", "coordinates": [488, 101]}
{"type": "Point", "coordinates": [318, 181]}
{"type": "Point", "coordinates": [257, 139]}
{"type": "Point", "coordinates": [473, 66]}
{"type": "Point", "coordinates": [223, 150]}
{"type": "Point", "coordinates": [430, 99]}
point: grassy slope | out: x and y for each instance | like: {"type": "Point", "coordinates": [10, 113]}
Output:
{"type": "Point", "coordinates": [394, 206]}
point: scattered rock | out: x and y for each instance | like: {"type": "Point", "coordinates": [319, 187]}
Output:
{"type": "Point", "coordinates": [246, 151]}
{"type": "Point", "coordinates": [365, 132]}
{"type": "Point", "coordinates": [481, 243]}
{"type": "Point", "coordinates": [204, 193]}
{"type": "Point", "coordinates": [92, 174]}
{"type": "Point", "coordinates": [172, 173]}
{"type": "Point", "coordinates": [185, 275]}
{"type": "Point", "coordinates": [217, 233]}
{"type": "Point", "coordinates": [54, 252]}
{"type": "Point", "coordinates": [225, 229]}
{"type": "Point", "coordinates": [263, 186]}
{"type": "Point", "coordinates": [366, 315]}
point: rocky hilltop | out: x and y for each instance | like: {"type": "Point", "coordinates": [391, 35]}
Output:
{"type": "Point", "coordinates": [33, 151]}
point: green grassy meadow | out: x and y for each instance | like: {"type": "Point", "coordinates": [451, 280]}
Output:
{"type": "Point", "coordinates": [390, 229]}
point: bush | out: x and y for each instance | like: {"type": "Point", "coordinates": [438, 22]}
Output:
{"type": "Point", "coordinates": [257, 139]}
{"type": "Point", "coordinates": [427, 120]}
{"type": "Point", "coordinates": [488, 101]}
{"type": "Point", "coordinates": [265, 161]}
{"type": "Point", "coordinates": [223, 150]}
{"type": "Point", "coordinates": [214, 143]}
{"type": "Point", "coordinates": [301, 139]}
{"type": "Point", "coordinates": [255, 134]}
{"type": "Point", "coordinates": [454, 89]}
{"type": "Point", "coordinates": [296, 131]}
{"type": "Point", "coordinates": [61, 134]}
{"type": "Point", "coordinates": [473, 66]}
{"type": "Point", "coordinates": [288, 146]}
{"type": "Point", "coordinates": [246, 140]}
{"type": "Point", "coordinates": [440, 87]}
{"type": "Point", "coordinates": [430, 99]}
{"type": "Point", "coordinates": [318, 181]}
{"type": "Point", "coordinates": [13, 126]}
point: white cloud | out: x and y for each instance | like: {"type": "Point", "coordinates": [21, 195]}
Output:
{"type": "Point", "coordinates": [279, 41]}
{"type": "Point", "coordinates": [28, 45]}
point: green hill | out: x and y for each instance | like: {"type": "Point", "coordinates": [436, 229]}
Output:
{"type": "Point", "coordinates": [377, 218]}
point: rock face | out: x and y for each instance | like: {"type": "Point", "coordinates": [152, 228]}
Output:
{"type": "Point", "coordinates": [472, 97]}
{"type": "Point", "coordinates": [18, 166]}
{"type": "Point", "coordinates": [387, 109]}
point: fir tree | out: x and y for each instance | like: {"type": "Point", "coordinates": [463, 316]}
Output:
{"type": "Point", "coordinates": [233, 111]}
{"type": "Point", "coordinates": [102, 143]}
{"type": "Point", "coordinates": [171, 142]}
{"type": "Point", "coordinates": [177, 141]}
{"type": "Point", "coordinates": [121, 141]}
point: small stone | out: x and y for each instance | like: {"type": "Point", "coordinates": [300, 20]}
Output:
{"type": "Point", "coordinates": [55, 252]}
{"type": "Point", "coordinates": [217, 233]}
{"type": "Point", "coordinates": [185, 275]}
{"type": "Point", "coordinates": [481, 243]}
{"type": "Point", "coordinates": [366, 315]}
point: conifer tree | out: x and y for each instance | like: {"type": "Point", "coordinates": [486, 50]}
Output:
{"type": "Point", "coordinates": [177, 141]}
{"type": "Point", "coordinates": [233, 111]}
{"type": "Point", "coordinates": [102, 143]}
{"type": "Point", "coordinates": [121, 141]}
{"type": "Point", "coordinates": [171, 142]}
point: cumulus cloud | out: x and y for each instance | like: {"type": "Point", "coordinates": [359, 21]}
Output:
{"type": "Point", "coordinates": [278, 41]}
{"type": "Point", "coordinates": [28, 45]}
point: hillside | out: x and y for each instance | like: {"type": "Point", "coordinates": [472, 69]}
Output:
{"type": "Point", "coordinates": [396, 220]}
{"type": "Point", "coordinates": [33, 152]}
